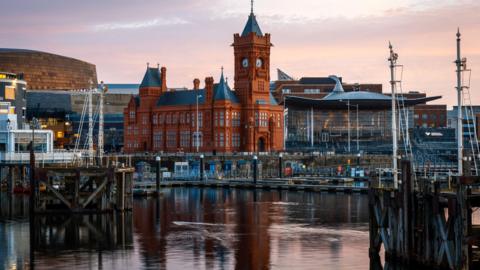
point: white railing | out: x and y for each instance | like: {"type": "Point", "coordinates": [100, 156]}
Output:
{"type": "Point", "coordinates": [24, 157]}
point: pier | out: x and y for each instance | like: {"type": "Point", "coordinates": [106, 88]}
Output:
{"type": "Point", "coordinates": [425, 224]}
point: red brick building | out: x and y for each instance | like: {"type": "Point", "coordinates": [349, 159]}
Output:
{"type": "Point", "coordinates": [247, 119]}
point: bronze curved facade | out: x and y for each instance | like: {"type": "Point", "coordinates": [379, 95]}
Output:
{"type": "Point", "coordinates": [46, 71]}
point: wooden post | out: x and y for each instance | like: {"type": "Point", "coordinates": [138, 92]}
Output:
{"type": "Point", "coordinates": [407, 191]}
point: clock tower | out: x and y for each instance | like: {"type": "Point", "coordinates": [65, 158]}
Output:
{"type": "Point", "coordinates": [252, 64]}
{"type": "Point", "coordinates": [261, 116]}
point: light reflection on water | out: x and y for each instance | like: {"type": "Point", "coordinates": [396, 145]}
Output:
{"type": "Point", "coordinates": [190, 228]}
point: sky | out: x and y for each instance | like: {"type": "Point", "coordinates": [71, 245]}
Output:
{"type": "Point", "coordinates": [192, 38]}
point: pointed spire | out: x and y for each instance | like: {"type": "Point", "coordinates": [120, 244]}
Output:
{"type": "Point", "coordinates": [252, 24]}
{"type": "Point", "coordinates": [458, 33]}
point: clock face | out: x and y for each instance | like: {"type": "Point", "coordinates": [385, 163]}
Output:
{"type": "Point", "coordinates": [259, 62]}
{"type": "Point", "coordinates": [245, 62]}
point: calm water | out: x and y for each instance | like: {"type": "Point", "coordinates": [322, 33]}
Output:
{"type": "Point", "coordinates": [189, 228]}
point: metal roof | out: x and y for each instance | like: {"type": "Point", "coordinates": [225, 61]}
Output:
{"type": "Point", "coordinates": [151, 78]}
{"type": "Point", "coordinates": [223, 91]}
{"type": "Point", "coordinates": [252, 26]}
{"type": "Point", "coordinates": [364, 100]}
{"type": "Point", "coordinates": [186, 97]}
{"type": "Point", "coordinates": [318, 80]}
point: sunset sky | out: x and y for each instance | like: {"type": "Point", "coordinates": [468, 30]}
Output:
{"type": "Point", "coordinates": [192, 38]}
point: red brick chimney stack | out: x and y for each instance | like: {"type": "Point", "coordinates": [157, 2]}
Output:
{"type": "Point", "coordinates": [196, 84]}
{"type": "Point", "coordinates": [164, 79]}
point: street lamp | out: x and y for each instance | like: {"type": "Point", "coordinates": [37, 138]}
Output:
{"type": "Point", "coordinates": [201, 167]}
{"type": "Point", "coordinates": [255, 159]}
{"type": "Point", "coordinates": [280, 165]}
{"type": "Point", "coordinates": [357, 129]}
{"type": "Point", "coordinates": [197, 133]}
{"type": "Point", "coordinates": [158, 159]}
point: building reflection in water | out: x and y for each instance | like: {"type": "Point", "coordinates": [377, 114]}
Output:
{"type": "Point", "coordinates": [244, 229]}
{"type": "Point", "coordinates": [191, 228]}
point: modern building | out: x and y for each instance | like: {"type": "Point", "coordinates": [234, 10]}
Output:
{"type": "Point", "coordinates": [61, 112]}
{"type": "Point", "coordinates": [346, 121]}
{"type": "Point", "coordinates": [46, 71]}
{"type": "Point", "coordinates": [471, 118]}
{"type": "Point", "coordinates": [213, 119]}
{"type": "Point", "coordinates": [12, 90]}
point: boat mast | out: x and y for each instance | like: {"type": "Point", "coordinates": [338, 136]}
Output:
{"type": "Point", "coordinates": [459, 87]}
{"type": "Point", "coordinates": [100, 124]}
{"type": "Point", "coordinates": [90, 127]}
{"type": "Point", "coordinates": [393, 60]}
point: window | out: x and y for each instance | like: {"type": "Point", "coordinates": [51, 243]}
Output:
{"type": "Point", "coordinates": [168, 119]}
{"type": "Point", "coordinates": [161, 118]}
{"type": "Point", "coordinates": [227, 118]}
{"type": "Point", "coordinates": [256, 119]}
{"type": "Point", "coordinates": [154, 119]}
{"type": "Point", "coordinates": [261, 86]}
{"type": "Point", "coordinates": [132, 114]}
{"type": "Point", "coordinates": [200, 139]}
{"type": "Point", "coordinates": [221, 118]}
{"type": "Point", "coordinates": [236, 140]}
{"type": "Point", "coordinates": [236, 119]}
{"type": "Point", "coordinates": [286, 90]}
{"type": "Point", "coordinates": [311, 91]}
{"type": "Point", "coordinates": [416, 116]}
{"type": "Point", "coordinates": [221, 140]}
{"type": "Point", "coordinates": [171, 138]}
{"type": "Point", "coordinates": [185, 139]}
{"type": "Point", "coordinates": [144, 119]}
{"type": "Point", "coordinates": [158, 140]}
{"type": "Point", "coordinates": [9, 93]}
{"type": "Point", "coordinates": [174, 118]}
{"type": "Point", "coordinates": [215, 121]}
{"type": "Point", "coordinates": [425, 116]}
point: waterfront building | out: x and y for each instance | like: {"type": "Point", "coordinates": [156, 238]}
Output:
{"type": "Point", "coordinates": [215, 118]}
{"type": "Point", "coordinates": [14, 139]}
{"type": "Point", "coordinates": [471, 120]}
{"type": "Point", "coordinates": [12, 90]}
{"type": "Point", "coordinates": [61, 111]}
{"type": "Point", "coordinates": [47, 71]}
{"type": "Point", "coordinates": [346, 121]}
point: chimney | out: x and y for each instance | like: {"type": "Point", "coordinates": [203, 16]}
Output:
{"type": "Point", "coordinates": [209, 89]}
{"type": "Point", "coordinates": [196, 84]}
{"type": "Point", "coordinates": [164, 79]}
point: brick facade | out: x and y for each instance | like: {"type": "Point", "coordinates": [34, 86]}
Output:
{"type": "Point", "coordinates": [245, 120]}
{"type": "Point", "coordinates": [432, 116]}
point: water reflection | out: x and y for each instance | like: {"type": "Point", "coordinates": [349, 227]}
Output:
{"type": "Point", "coordinates": [190, 228]}
{"type": "Point", "coordinates": [226, 229]}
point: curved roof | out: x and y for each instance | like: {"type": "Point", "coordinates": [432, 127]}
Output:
{"type": "Point", "coordinates": [15, 50]}
{"type": "Point", "coordinates": [357, 95]}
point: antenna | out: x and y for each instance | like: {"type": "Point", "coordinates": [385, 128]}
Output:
{"type": "Point", "coordinates": [251, 6]}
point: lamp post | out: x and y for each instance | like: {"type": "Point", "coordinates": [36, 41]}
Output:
{"type": "Point", "coordinates": [197, 141]}
{"type": "Point", "coordinates": [201, 167]}
{"type": "Point", "coordinates": [255, 159]}
{"type": "Point", "coordinates": [357, 125]}
{"type": "Point", "coordinates": [158, 160]}
{"type": "Point", "coordinates": [280, 165]}
{"type": "Point", "coordinates": [348, 119]}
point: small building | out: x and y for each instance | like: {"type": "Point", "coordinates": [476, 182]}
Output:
{"type": "Point", "coordinates": [12, 90]}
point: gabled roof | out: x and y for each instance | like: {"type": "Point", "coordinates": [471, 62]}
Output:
{"type": "Point", "coordinates": [252, 26]}
{"type": "Point", "coordinates": [184, 97]}
{"type": "Point", "coordinates": [223, 92]}
{"type": "Point", "coordinates": [152, 78]}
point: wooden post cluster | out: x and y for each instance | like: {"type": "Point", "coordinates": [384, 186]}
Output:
{"type": "Point", "coordinates": [424, 226]}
